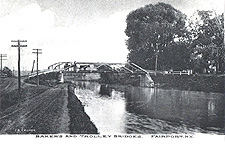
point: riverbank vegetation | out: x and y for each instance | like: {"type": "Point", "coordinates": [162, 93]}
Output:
{"type": "Point", "coordinates": [161, 37]}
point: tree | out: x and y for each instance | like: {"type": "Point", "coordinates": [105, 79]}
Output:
{"type": "Point", "coordinates": [177, 56]}
{"type": "Point", "coordinates": [208, 41]}
{"type": "Point", "coordinates": [151, 30]}
{"type": "Point", "coordinates": [7, 71]}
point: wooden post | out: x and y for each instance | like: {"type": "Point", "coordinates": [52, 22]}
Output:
{"type": "Point", "coordinates": [19, 46]}
{"type": "Point", "coordinates": [156, 58]}
{"type": "Point", "coordinates": [2, 58]}
{"type": "Point", "coordinates": [38, 51]}
{"type": "Point", "coordinates": [19, 78]}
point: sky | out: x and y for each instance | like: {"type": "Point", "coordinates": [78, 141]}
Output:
{"type": "Point", "coordinates": [75, 30]}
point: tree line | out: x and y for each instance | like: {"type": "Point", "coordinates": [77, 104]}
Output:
{"type": "Point", "coordinates": [161, 37]}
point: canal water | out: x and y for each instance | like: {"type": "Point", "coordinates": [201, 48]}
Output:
{"type": "Point", "coordinates": [138, 110]}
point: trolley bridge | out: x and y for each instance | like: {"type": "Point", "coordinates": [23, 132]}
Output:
{"type": "Point", "coordinates": [96, 67]}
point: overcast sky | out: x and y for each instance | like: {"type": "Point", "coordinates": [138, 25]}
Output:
{"type": "Point", "coordinates": [75, 30]}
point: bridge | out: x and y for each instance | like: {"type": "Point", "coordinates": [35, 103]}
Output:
{"type": "Point", "coordinates": [96, 67]}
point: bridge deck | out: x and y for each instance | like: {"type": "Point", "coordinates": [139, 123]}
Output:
{"type": "Point", "coordinates": [96, 67]}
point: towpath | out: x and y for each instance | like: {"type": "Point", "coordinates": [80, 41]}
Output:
{"type": "Point", "coordinates": [41, 110]}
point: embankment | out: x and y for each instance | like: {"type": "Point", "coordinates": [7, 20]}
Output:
{"type": "Point", "coordinates": [204, 83]}
{"type": "Point", "coordinates": [49, 79]}
{"type": "Point", "coordinates": [40, 110]}
{"type": "Point", "coordinates": [79, 121]}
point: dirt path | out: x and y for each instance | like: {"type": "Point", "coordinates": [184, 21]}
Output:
{"type": "Point", "coordinates": [40, 110]}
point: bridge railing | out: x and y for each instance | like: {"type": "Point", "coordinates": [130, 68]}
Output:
{"type": "Point", "coordinates": [188, 72]}
{"type": "Point", "coordinates": [83, 67]}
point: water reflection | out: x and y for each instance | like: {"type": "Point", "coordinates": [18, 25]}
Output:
{"type": "Point", "coordinates": [105, 90]}
{"type": "Point", "coordinates": [128, 109]}
{"type": "Point", "coordinates": [194, 108]}
{"type": "Point", "coordinates": [105, 107]}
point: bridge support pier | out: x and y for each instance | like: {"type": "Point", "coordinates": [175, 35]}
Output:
{"type": "Point", "coordinates": [61, 77]}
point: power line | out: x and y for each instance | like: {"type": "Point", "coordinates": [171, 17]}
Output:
{"type": "Point", "coordinates": [37, 51]}
{"type": "Point", "coordinates": [2, 56]}
{"type": "Point", "coordinates": [19, 46]}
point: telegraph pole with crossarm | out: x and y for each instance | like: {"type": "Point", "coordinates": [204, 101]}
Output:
{"type": "Point", "coordinates": [2, 57]}
{"type": "Point", "coordinates": [19, 46]}
{"type": "Point", "coordinates": [37, 51]}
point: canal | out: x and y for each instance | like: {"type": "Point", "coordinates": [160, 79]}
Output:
{"type": "Point", "coordinates": [138, 110]}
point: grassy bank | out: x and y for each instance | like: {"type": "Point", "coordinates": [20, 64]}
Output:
{"type": "Point", "coordinates": [204, 83]}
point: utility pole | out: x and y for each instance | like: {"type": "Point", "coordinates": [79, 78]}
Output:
{"type": "Point", "coordinates": [156, 57]}
{"type": "Point", "coordinates": [37, 51]}
{"type": "Point", "coordinates": [19, 46]}
{"type": "Point", "coordinates": [2, 56]}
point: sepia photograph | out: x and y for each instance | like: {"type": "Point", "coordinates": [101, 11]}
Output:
{"type": "Point", "coordinates": [115, 71]}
